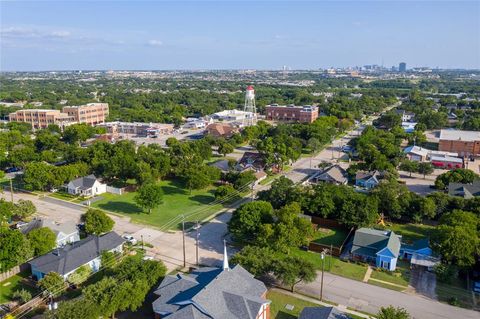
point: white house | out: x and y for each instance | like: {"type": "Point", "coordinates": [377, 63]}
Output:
{"type": "Point", "coordinates": [86, 186]}
{"type": "Point", "coordinates": [66, 233]}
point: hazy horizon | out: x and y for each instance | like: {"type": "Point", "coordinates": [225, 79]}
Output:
{"type": "Point", "coordinates": [230, 35]}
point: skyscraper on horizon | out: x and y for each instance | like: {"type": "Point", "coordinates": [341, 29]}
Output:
{"type": "Point", "coordinates": [402, 67]}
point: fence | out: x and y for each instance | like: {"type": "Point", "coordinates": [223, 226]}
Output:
{"type": "Point", "coordinates": [115, 190]}
{"type": "Point", "coordinates": [328, 223]}
{"type": "Point", "coordinates": [14, 271]}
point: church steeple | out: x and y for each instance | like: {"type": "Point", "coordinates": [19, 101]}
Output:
{"type": "Point", "coordinates": [225, 256]}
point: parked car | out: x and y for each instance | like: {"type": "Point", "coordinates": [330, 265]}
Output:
{"type": "Point", "coordinates": [130, 239]}
{"type": "Point", "coordinates": [12, 170]}
{"type": "Point", "coordinates": [476, 286]}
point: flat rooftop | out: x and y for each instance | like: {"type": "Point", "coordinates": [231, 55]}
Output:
{"type": "Point", "coordinates": [459, 135]}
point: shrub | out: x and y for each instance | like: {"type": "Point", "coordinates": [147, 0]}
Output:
{"type": "Point", "coordinates": [22, 295]}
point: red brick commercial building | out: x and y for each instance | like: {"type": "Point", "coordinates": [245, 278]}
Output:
{"type": "Point", "coordinates": [465, 143]}
{"type": "Point", "coordinates": [291, 113]}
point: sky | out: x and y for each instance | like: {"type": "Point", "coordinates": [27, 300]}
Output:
{"type": "Point", "coordinates": [161, 35]}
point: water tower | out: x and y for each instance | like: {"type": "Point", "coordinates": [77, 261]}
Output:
{"type": "Point", "coordinates": [250, 119]}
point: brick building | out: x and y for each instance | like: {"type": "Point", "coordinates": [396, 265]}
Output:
{"type": "Point", "coordinates": [465, 143]}
{"type": "Point", "coordinates": [41, 118]}
{"type": "Point", "coordinates": [91, 113]}
{"type": "Point", "coordinates": [291, 113]}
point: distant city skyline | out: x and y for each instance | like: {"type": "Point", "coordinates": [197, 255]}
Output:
{"type": "Point", "coordinates": [197, 35]}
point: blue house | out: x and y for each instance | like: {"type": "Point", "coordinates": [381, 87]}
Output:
{"type": "Point", "coordinates": [419, 247]}
{"type": "Point", "coordinates": [368, 180]}
{"type": "Point", "coordinates": [381, 247]}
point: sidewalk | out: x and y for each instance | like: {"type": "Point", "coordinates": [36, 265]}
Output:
{"type": "Point", "coordinates": [321, 303]}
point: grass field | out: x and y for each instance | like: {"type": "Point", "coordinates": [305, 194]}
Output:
{"type": "Point", "coordinates": [411, 232]}
{"type": "Point", "coordinates": [280, 300]}
{"type": "Point", "coordinates": [399, 277]}
{"type": "Point", "coordinates": [334, 265]}
{"type": "Point", "coordinates": [330, 236]}
{"type": "Point", "coordinates": [176, 201]}
{"type": "Point", "coordinates": [457, 290]}
{"type": "Point", "coordinates": [12, 284]}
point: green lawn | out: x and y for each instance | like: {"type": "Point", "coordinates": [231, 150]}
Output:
{"type": "Point", "coordinates": [401, 276]}
{"type": "Point", "coordinates": [387, 286]}
{"type": "Point", "coordinates": [456, 290]}
{"type": "Point", "coordinates": [12, 284]}
{"type": "Point", "coordinates": [280, 300]}
{"type": "Point", "coordinates": [176, 201]}
{"type": "Point", "coordinates": [330, 236]}
{"type": "Point", "coordinates": [334, 265]}
{"type": "Point", "coordinates": [411, 232]}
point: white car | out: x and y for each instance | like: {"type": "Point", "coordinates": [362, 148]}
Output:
{"type": "Point", "coordinates": [130, 239]}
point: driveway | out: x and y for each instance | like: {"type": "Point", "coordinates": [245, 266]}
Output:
{"type": "Point", "coordinates": [424, 282]}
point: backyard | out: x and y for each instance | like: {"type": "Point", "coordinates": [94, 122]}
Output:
{"type": "Point", "coordinates": [411, 232]}
{"type": "Point", "coordinates": [176, 201]}
{"type": "Point", "coordinates": [330, 236]}
{"type": "Point", "coordinates": [12, 284]}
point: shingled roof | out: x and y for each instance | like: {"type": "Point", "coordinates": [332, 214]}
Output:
{"type": "Point", "coordinates": [370, 242]}
{"type": "Point", "coordinates": [72, 256]}
{"type": "Point", "coordinates": [85, 182]}
{"type": "Point", "coordinates": [210, 293]}
{"type": "Point", "coordinates": [322, 313]}
{"type": "Point", "coordinates": [464, 190]}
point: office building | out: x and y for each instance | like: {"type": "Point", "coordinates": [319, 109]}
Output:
{"type": "Point", "coordinates": [291, 113]}
{"type": "Point", "coordinates": [137, 128]}
{"type": "Point", "coordinates": [402, 67]}
{"type": "Point", "coordinates": [41, 118]}
{"type": "Point", "coordinates": [91, 113]}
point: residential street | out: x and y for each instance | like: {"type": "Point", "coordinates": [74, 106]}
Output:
{"type": "Point", "coordinates": [369, 298]}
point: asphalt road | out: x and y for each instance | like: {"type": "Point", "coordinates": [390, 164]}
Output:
{"type": "Point", "coordinates": [368, 298]}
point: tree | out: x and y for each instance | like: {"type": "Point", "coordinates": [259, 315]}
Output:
{"type": "Point", "coordinates": [409, 166]}
{"type": "Point", "coordinates": [24, 208]}
{"type": "Point", "coordinates": [293, 270]}
{"type": "Point", "coordinates": [247, 220]}
{"type": "Point", "coordinates": [7, 210]}
{"type": "Point", "coordinates": [280, 193]}
{"type": "Point", "coordinates": [38, 176]}
{"type": "Point", "coordinates": [149, 196]}
{"type": "Point", "coordinates": [225, 148]}
{"type": "Point", "coordinates": [53, 283]}
{"type": "Point", "coordinates": [456, 238]}
{"type": "Point", "coordinates": [223, 191]}
{"type": "Point", "coordinates": [97, 222]}
{"type": "Point", "coordinates": [258, 261]}
{"type": "Point", "coordinates": [425, 168]}
{"type": "Point", "coordinates": [14, 248]}
{"type": "Point", "coordinates": [42, 240]}
{"type": "Point", "coordinates": [76, 308]}
{"type": "Point", "coordinates": [80, 275]}
{"type": "Point", "coordinates": [22, 295]}
{"type": "Point", "coordinates": [77, 133]}
{"type": "Point", "coordinates": [391, 312]}
{"type": "Point", "coordinates": [314, 144]}
{"type": "Point", "coordinates": [459, 175]}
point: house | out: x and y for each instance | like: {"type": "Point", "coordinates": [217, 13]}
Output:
{"type": "Point", "coordinates": [333, 174]}
{"type": "Point", "coordinates": [420, 246]}
{"type": "Point", "coordinates": [406, 116]}
{"type": "Point", "coordinates": [86, 186]}
{"type": "Point", "coordinates": [464, 190]}
{"type": "Point", "coordinates": [251, 160]}
{"type": "Point", "coordinates": [379, 246]}
{"type": "Point", "coordinates": [69, 258]}
{"type": "Point", "coordinates": [322, 313]}
{"type": "Point", "coordinates": [446, 161]}
{"type": "Point", "coordinates": [221, 130]}
{"type": "Point", "coordinates": [66, 233]}
{"type": "Point", "coordinates": [212, 293]}
{"type": "Point", "coordinates": [409, 127]}
{"type": "Point", "coordinates": [368, 180]}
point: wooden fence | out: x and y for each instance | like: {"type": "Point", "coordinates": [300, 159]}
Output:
{"type": "Point", "coordinates": [14, 271]}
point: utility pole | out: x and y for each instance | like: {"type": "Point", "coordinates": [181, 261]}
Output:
{"type": "Point", "coordinates": [183, 237]}
{"type": "Point", "coordinates": [322, 256]}
{"type": "Point", "coordinates": [142, 243]}
{"type": "Point", "coordinates": [11, 190]}
{"type": "Point", "coordinates": [198, 234]}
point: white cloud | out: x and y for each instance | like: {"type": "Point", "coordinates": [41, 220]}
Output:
{"type": "Point", "coordinates": [155, 43]}
{"type": "Point", "coordinates": [32, 33]}
{"type": "Point", "coordinates": [60, 34]}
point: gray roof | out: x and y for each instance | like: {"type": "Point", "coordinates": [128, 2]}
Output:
{"type": "Point", "coordinates": [366, 175]}
{"type": "Point", "coordinates": [64, 260]}
{"type": "Point", "coordinates": [322, 313]}
{"type": "Point", "coordinates": [210, 293]}
{"type": "Point", "coordinates": [85, 182]}
{"type": "Point", "coordinates": [369, 241]}
{"type": "Point", "coordinates": [334, 174]}
{"type": "Point", "coordinates": [67, 228]}
{"type": "Point", "coordinates": [464, 190]}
